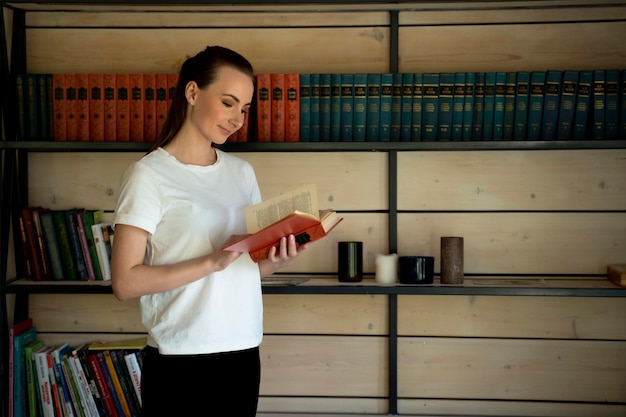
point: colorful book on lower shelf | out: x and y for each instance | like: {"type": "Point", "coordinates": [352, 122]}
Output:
{"type": "Point", "coordinates": [289, 213]}
{"type": "Point", "coordinates": [20, 334]}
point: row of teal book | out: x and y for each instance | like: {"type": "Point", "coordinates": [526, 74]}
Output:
{"type": "Point", "coordinates": [464, 106]}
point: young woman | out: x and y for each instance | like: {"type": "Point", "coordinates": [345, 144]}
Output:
{"type": "Point", "coordinates": [178, 206]}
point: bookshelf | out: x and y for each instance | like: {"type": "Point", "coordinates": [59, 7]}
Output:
{"type": "Point", "coordinates": [383, 36]}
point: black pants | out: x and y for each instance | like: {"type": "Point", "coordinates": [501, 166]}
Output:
{"type": "Point", "coordinates": [221, 384]}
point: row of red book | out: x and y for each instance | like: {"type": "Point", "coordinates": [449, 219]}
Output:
{"type": "Point", "coordinates": [96, 379]}
{"type": "Point", "coordinates": [69, 245]}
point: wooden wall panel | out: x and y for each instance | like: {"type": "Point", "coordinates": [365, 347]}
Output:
{"type": "Point", "coordinates": [520, 243]}
{"type": "Point", "coordinates": [334, 366]}
{"type": "Point", "coordinates": [328, 314]}
{"type": "Point", "coordinates": [529, 317]}
{"type": "Point", "coordinates": [345, 407]}
{"type": "Point", "coordinates": [512, 369]}
{"type": "Point", "coordinates": [337, 49]}
{"type": "Point", "coordinates": [512, 47]}
{"type": "Point", "coordinates": [561, 180]}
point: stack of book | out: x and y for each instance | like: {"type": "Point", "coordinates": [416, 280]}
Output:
{"type": "Point", "coordinates": [72, 244]}
{"type": "Point", "coordinates": [91, 380]}
{"type": "Point", "coordinates": [316, 107]}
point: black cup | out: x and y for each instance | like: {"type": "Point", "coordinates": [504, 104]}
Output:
{"type": "Point", "coordinates": [350, 261]}
{"type": "Point", "coordinates": [416, 269]}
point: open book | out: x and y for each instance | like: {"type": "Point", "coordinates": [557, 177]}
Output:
{"type": "Point", "coordinates": [289, 213]}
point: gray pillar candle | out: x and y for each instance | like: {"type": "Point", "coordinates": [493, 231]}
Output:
{"type": "Point", "coordinates": [451, 260]}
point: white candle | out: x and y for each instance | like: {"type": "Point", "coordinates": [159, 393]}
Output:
{"type": "Point", "coordinates": [387, 268]}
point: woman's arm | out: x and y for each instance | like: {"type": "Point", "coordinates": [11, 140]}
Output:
{"type": "Point", "coordinates": [282, 256]}
{"type": "Point", "coordinates": [130, 278]}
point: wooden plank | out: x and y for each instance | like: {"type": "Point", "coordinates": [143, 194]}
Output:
{"type": "Point", "coordinates": [520, 243]}
{"type": "Point", "coordinates": [529, 317]}
{"type": "Point", "coordinates": [512, 47]}
{"type": "Point", "coordinates": [512, 180]}
{"type": "Point", "coordinates": [77, 339]}
{"type": "Point", "coordinates": [321, 407]}
{"type": "Point", "coordinates": [480, 408]}
{"type": "Point", "coordinates": [213, 17]}
{"type": "Point", "coordinates": [512, 369]}
{"type": "Point", "coordinates": [330, 314]}
{"type": "Point", "coordinates": [333, 366]}
{"type": "Point", "coordinates": [340, 49]}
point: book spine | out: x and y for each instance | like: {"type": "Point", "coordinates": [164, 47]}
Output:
{"type": "Point", "coordinates": [305, 107]}
{"type": "Point", "coordinates": [325, 114]}
{"type": "Point", "coordinates": [33, 251]}
{"type": "Point", "coordinates": [416, 117]}
{"type": "Point", "coordinates": [54, 388]}
{"type": "Point", "coordinates": [622, 128]}
{"type": "Point", "coordinates": [396, 107]}
{"type": "Point", "coordinates": [498, 109]}
{"type": "Point", "coordinates": [292, 107]}
{"type": "Point", "coordinates": [96, 107]}
{"type": "Point", "coordinates": [430, 109]}
{"type": "Point", "coordinates": [43, 109]}
{"type": "Point", "coordinates": [446, 95]}
{"type": "Point", "coordinates": [52, 245]}
{"type": "Point", "coordinates": [136, 108]}
{"type": "Point", "coordinates": [122, 107]}
{"type": "Point", "coordinates": [116, 382]}
{"type": "Point", "coordinates": [373, 108]}
{"type": "Point", "coordinates": [82, 107]}
{"type": "Point", "coordinates": [60, 225]}
{"type": "Point", "coordinates": [77, 404]}
{"type": "Point", "coordinates": [611, 110]}
{"type": "Point", "coordinates": [26, 258]}
{"type": "Point", "coordinates": [49, 104]}
{"type": "Point", "coordinates": [134, 370]}
{"type": "Point", "coordinates": [315, 108]}
{"type": "Point", "coordinates": [59, 107]}
{"type": "Point", "coordinates": [20, 95]}
{"type": "Point", "coordinates": [360, 108]}
{"type": "Point", "coordinates": [43, 377]}
{"type": "Point", "coordinates": [125, 382]}
{"type": "Point", "coordinates": [583, 101]}
{"type": "Point", "coordinates": [81, 354]}
{"type": "Point", "coordinates": [161, 102]}
{"type": "Point", "coordinates": [490, 96]}
{"type": "Point", "coordinates": [509, 105]}
{"type": "Point", "coordinates": [46, 269]}
{"type": "Point", "coordinates": [82, 237]}
{"type": "Point", "coordinates": [599, 103]}
{"type": "Point", "coordinates": [71, 97]}
{"type": "Point", "coordinates": [277, 82]}
{"type": "Point", "coordinates": [335, 107]}
{"type": "Point", "coordinates": [264, 108]}
{"type": "Point", "coordinates": [458, 105]}
{"type": "Point", "coordinates": [77, 252]}
{"type": "Point", "coordinates": [551, 104]}
{"type": "Point", "coordinates": [149, 108]}
{"type": "Point", "coordinates": [522, 96]}
{"type": "Point", "coordinates": [473, 105]}
{"type": "Point", "coordinates": [314, 233]}
{"type": "Point", "coordinates": [347, 107]}
{"type": "Point", "coordinates": [109, 82]}
{"type": "Point", "coordinates": [535, 104]}
{"type": "Point", "coordinates": [406, 107]}
{"type": "Point", "coordinates": [103, 259]}
{"type": "Point", "coordinates": [85, 387]}
{"type": "Point", "coordinates": [567, 105]}
{"type": "Point", "coordinates": [107, 401]}
{"type": "Point", "coordinates": [31, 109]}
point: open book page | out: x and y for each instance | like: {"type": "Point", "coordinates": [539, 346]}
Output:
{"type": "Point", "coordinates": [265, 213]}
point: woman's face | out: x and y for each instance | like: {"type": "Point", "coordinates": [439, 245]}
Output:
{"type": "Point", "coordinates": [219, 110]}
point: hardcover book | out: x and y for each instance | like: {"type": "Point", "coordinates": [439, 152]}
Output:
{"type": "Point", "coordinates": [264, 107]}
{"type": "Point", "coordinates": [31, 110]}
{"type": "Point", "coordinates": [360, 107]}
{"type": "Point", "coordinates": [74, 238]}
{"type": "Point", "coordinates": [44, 259]}
{"type": "Point", "coordinates": [305, 107]}
{"type": "Point", "coordinates": [509, 105]}
{"type": "Point", "coordinates": [406, 107]}
{"type": "Point", "coordinates": [44, 103]}
{"type": "Point", "coordinates": [373, 107]}
{"type": "Point", "coordinates": [583, 101]}
{"type": "Point", "coordinates": [59, 107]}
{"type": "Point", "coordinates": [52, 245]}
{"type": "Point", "coordinates": [490, 95]}
{"type": "Point", "coordinates": [19, 335]}
{"type": "Point", "coordinates": [430, 106]}
{"type": "Point", "coordinates": [325, 112]}
{"type": "Point", "coordinates": [122, 107]}
{"type": "Point", "coordinates": [136, 107]}
{"type": "Point", "coordinates": [277, 83]}
{"type": "Point", "coordinates": [498, 108]}
{"type": "Point", "coordinates": [458, 105]}
{"type": "Point", "coordinates": [477, 114]}
{"type": "Point", "coordinates": [96, 107]}
{"type": "Point", "coordinates": [567, 105]}
{"type": "Point", "coordinates": [386, 101]}
{"type": "Point", "coordinates": [347, 107]}
{"type": "Point", "coordinates": [416, 117]}
{"type": "Point", "coordinates": [599, 103]}
{"type": "Point", "coordinates": [335, 107]}
{"type": "Point", "coordinates": [611, 110]}
{"type": "Point", "coordinates": [20, 95]}
{"type": "Point", "coordinates": [551, 104]}
{"type": "Point", "coordinates": [315, 108]}
{"type": "Point", "coordinates": [535, 104]}
{"type": "Point", "coordinates": [71, 100]}
{"type": "Point", "coordinates": [446, 96]}
{"type": "Point", "coordinates": [292, 107]}
{"type": "Point", "coordinates": [289, 213]}
{"type": "Point", "coordinates": [65, 246]}
{"type": "Point", "coordinates": [396, 107]}
{"type": "Point", "coordinates": [522, 96]}
{"type": "Point", "coordinates": [82, 107]}
{"type": "Point", "coordinates": [110, 107]}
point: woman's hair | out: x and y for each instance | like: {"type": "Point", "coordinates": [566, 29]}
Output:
{"type": "Point", "coordinates": [201, 68]}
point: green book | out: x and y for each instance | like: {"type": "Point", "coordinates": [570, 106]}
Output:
{"type": "Point", "coordinates": [535, 104]}
{"type": "Point", "coordinates": [324, 107]}
{"type": "Point", "coordinates": [373, 108]}
{"type": "Point", "coordinates": [305, 108]}
{"type": "Point", "coordinates": [446, 94]}
{"type": "Point", "coordinates": [406, 107]}
{"type": "Point", "coordinates": [347, 107]}
{"type": "Point", "coordinates": [31, 378]}
{"type": "Point", "coordinates": [583, 103]}
{"type": "Point", "coordinates": [386, 99]}
{"type": "Point", "coordinates": [458, 106]}
{"type": "Point", "coordinates": [430, 106]}
{"type": "Point", "coordinates": [567, 105]}
{"type": "Point", "coordinates": [52, 245]}
{"type": "Point", "coordinates": [65, 248]}
{"type": "Point", "coordinates": [509, 105]}
{"type": "Point", "coordinates": [359, 106]}
{"type": "Point", "coordinates": [522, 96]}
{"type": "Point", "coordinates": [551, 104]}
{"type": "Point", "coordinates": [416, 118]}
{"type": "Point", "coordinates": [20, 390]}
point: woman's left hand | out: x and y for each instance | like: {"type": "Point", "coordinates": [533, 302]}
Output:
{"type": "Point", "coordinates": [281, 256]}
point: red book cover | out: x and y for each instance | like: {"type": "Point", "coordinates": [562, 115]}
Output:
{"type": "Point", "coordinates": [264, 108]}
{"type": "Point", "coordinates": [82, 107]}
{"type": "Point", "coordinates": [71, 98]}
{"type": "Point", "coordinates": [149, 108]}
{"type": "Point", "coordinates": [136, 108]}
{"type": "Point", "coordinates": [27, 260]}
{"type": "Point", "coordinates": [292, 108]}
{"type": "Point", "coordinates": [101, 385]}
{"type": "Point", "coordinates": [96, 107]}
{"type": "Point", "coordinates": [277, 82]}
{"type": "Point", "coordinates": [110, 107]}
{"type": "Point", "coordinates": [172, 81]}
{"type": "Point", "coordinates": [304, 226]}
{"type": "Point", "coordinates": [122, 107]}
{"type": "Point", "coordinates": [161, 102]}
{"type": "Point", "coordinates": [59, 107]}
{"type": "Point", "coordinates": [31, 239]}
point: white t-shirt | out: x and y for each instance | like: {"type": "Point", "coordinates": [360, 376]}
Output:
{"type": "Point", "coordinates": [190, 211]}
